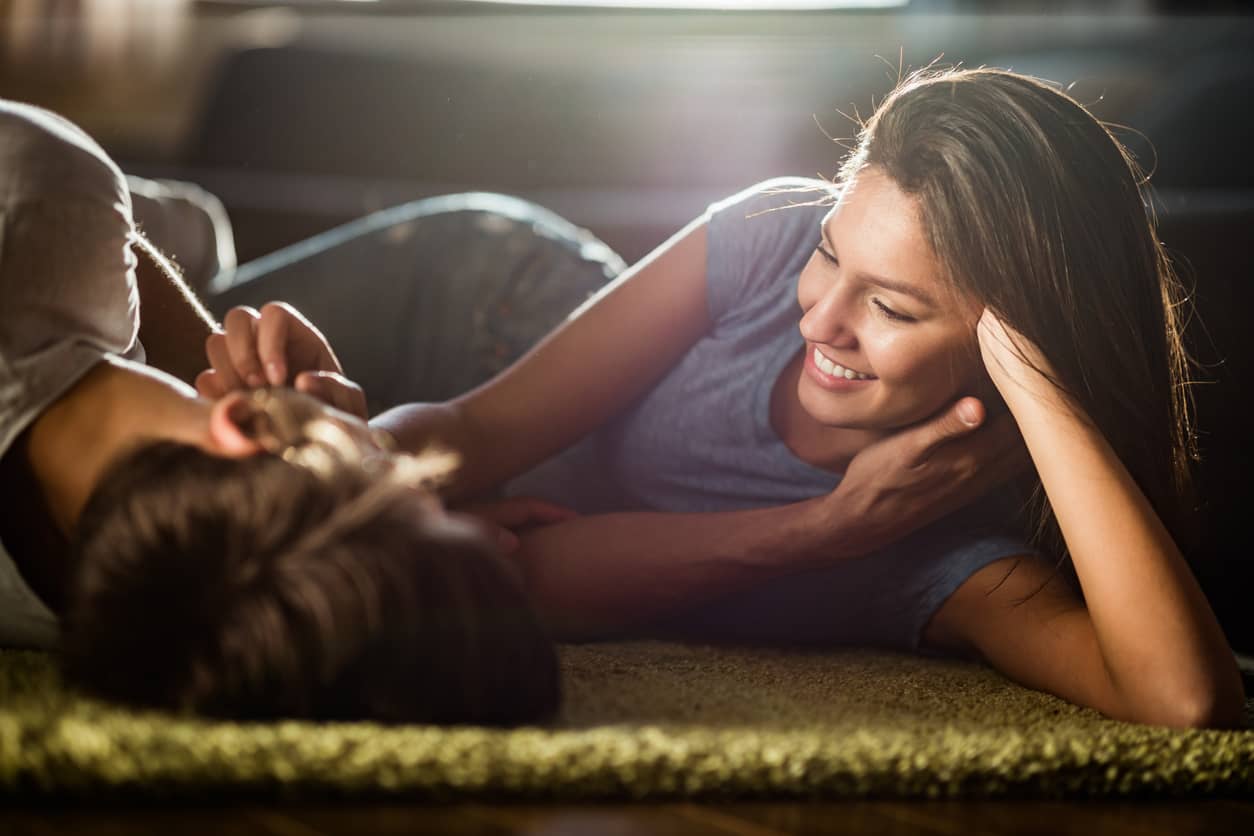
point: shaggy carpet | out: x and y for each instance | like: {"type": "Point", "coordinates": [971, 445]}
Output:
{"type": "Point", "coordinates": [641, 720]}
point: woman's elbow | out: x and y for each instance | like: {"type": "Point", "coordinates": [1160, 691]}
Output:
{"type": "Point", "coordinates": [1213, 711]}
{"type": "Point", "coordinates": [1217, 705]}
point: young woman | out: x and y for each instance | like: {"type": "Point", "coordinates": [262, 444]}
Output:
{"type": "Point", "coordinates": [758, 420]}
{"type": "Point", "coordinates": [251, 555]}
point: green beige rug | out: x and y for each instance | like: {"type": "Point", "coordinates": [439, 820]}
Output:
{"type": "Point", "coordinates": [643, 720]}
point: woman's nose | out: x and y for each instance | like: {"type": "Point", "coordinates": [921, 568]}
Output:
{"type": "Point", "coordinates": [829, 321]}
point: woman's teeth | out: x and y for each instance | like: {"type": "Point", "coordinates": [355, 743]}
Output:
{"type": "Point", "coordinates": [837, 370]}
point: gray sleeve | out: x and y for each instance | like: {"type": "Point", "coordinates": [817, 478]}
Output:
{"type": "Point", "coordinates": [760, 235]}
{"type": "Point", "coordinates": [67, 281]}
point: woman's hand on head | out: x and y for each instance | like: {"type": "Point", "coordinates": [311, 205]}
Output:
{"type": "Point", "coordinates": [1008, 356]}
{"type": "Point", "coordinates": [276, 346]}
{"type": "Point", "coordinates": [924, 472]}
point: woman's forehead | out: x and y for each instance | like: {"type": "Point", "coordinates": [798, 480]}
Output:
{"type": "Point", "coordinates": [880, 233]}
{"type": "Point", "coordinates": [879, 236]}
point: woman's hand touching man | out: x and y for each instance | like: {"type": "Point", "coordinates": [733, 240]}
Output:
{"type": "Point", "coordinates": [276, 346]}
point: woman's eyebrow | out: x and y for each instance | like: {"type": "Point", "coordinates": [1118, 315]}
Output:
{"type": "Point", "coordinates": [893, 285]}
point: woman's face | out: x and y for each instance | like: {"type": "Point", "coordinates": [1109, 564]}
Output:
{"type": "Point", "coordinates": [886, 343]}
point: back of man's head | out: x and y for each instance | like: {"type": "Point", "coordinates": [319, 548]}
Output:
{"type": "Point", "coordinates": [259, 588]}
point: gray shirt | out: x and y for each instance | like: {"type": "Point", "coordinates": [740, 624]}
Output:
{"type": "Point", "coordinates": [701, 440]}
{"type": "Point", "coordinates": [67, 294]}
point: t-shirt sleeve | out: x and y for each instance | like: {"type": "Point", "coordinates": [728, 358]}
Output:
{"type": "Point", "coordinates": [67, 279]}
{"type": "Point", "coordinates": [909, 581]}
{"type": "Point", "coordinates": [760, 235]}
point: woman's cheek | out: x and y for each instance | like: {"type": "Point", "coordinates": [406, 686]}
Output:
{"type": "Point", "coordinates": [893, 356]}
{"type": "Point", "coordinates": [920, 375]}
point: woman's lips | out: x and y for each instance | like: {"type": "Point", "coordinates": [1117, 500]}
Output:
{"type": "Point", "coordinates": [838, 378]}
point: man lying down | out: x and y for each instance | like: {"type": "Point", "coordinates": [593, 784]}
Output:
{"type": "Point", "coordinates": [258, 555]}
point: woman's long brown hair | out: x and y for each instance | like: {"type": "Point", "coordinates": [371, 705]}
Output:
{"type": "Point", "coordinates": [1035, 209]}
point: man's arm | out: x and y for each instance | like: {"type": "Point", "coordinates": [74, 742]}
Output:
{"type": "Point", "coordinates": [173, 324]}
{"type": "Point", "coordinates": [597, 576]}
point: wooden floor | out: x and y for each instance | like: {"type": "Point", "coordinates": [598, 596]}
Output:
{"type": "Point", "coordinates": [1148, 818]}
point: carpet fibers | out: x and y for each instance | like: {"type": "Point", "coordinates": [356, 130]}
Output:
{"type": "Point", "coordinates": [642, 720]}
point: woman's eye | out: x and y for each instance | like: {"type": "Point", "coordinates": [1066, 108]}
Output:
{"type": "Point", "coordinates": [890, 313]}
{"type": "Point", "coordinates": [828, 257]}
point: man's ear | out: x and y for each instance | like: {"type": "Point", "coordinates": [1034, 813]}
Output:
{"type": "Point", "coordinates": [229, 419]}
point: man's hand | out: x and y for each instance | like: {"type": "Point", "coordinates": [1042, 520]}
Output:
{"type": "Point", "coordinates": [501, 519]}
{"type": "Point", "coordinates": [920, 474]}
{"type": "Point", "coordinates": [276, 346]}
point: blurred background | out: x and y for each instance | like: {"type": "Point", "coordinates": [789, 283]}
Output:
{"type": "Point", "coordinates": [628, 118]}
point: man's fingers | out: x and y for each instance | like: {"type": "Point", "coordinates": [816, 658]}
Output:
{"type": "Point", "coordinates": [985, 458]}
{"type": "Point", "coordinates": [528, 510]}
{"type": "Point", "coordinates": [960, 419]}
{"type": "Point", "coordinates": [541, 510]}
{"type": "Point", "coordinates": [240, 324]}
{"type": "Point", "coordinates": [220, 359]}
{"type": "Point", "coordinates": [518, 511]}
{"type": "Point", "coordinates": [507, 540]}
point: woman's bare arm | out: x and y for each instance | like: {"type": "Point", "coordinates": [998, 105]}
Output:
{"type": "Point", "coordinates": [596, 363]}
{"type": "Point", "coordinates": [1147, 647]}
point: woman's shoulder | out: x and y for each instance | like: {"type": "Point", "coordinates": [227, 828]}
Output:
{"type": "Point", "coordinates": [759, 238]}
{"type": "Point", "coordinates": [770, 216]}
{"type": "Point", "coordinates": [779, 192]}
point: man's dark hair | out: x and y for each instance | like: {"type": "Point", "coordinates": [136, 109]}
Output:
{"type": "Point", "coordinates": [257, 588]}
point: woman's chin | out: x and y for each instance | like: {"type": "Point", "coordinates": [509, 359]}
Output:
{"type": "Point", "coordinates": [853, 418]}
{"type": "Point", "coordinates": [837, 417]}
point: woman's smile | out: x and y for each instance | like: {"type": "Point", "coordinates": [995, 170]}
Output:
{"type": "Point", "coordinates": [832, 375]}
{"type": "Point", "coordinates": [877, 320]}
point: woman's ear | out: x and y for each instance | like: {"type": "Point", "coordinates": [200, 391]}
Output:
{"type": "Point", "coordinates": [231, 419]}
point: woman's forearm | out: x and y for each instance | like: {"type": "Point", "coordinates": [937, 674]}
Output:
{"type": "Point", "coordinates": [419, 427]}
{"type": "Point", "coordinates": [596, 576]}
{"type": "Point", "coordinates": [1159, 639]}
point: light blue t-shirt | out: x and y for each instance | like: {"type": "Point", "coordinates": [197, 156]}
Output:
{"type": "Point", "coordinates": [701, 440]}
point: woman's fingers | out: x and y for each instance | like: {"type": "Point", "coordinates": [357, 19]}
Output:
{"type": "Point", "coordinates": [209, 384]}
{"type": "Point", "coordinates": [240, 324]}
{"type": "Point", "coordinates": [273, 332]}
{"type": "Point", "coordinates": [288, 343]}
{"type": "Point", "coordinates": [220, 360]}
{"type": "Point", "coordinates": [334, 389]}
